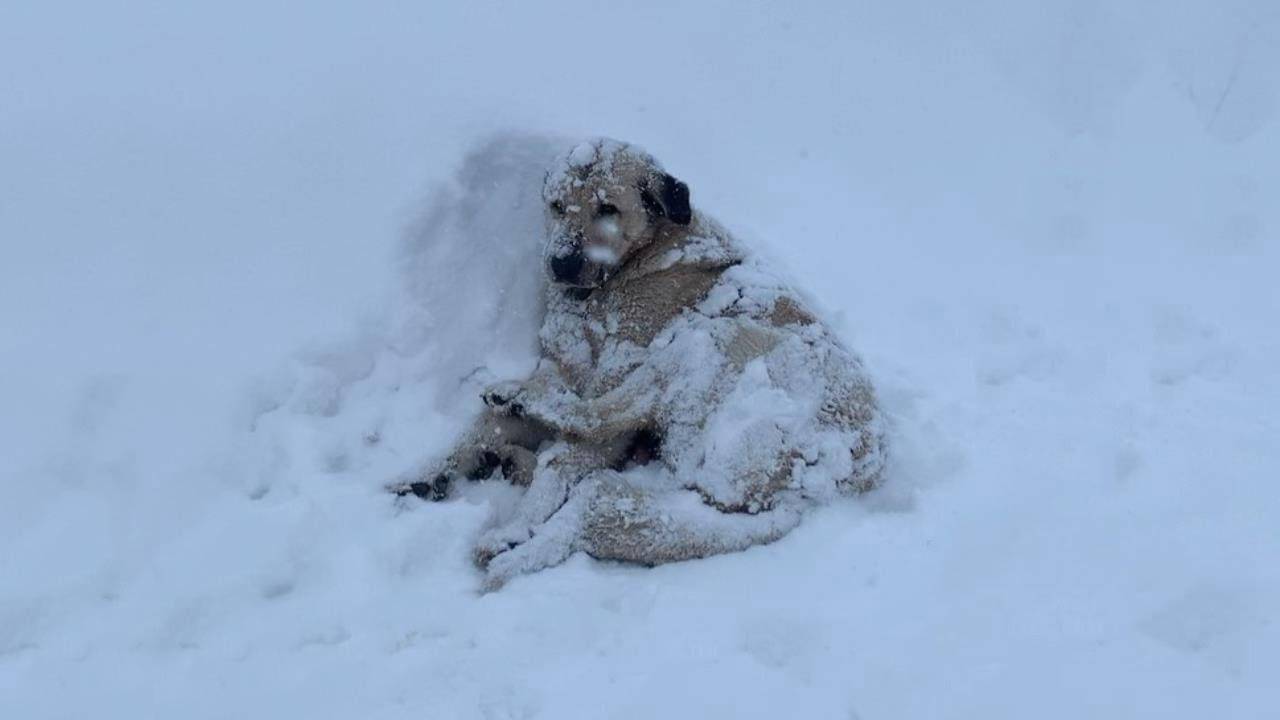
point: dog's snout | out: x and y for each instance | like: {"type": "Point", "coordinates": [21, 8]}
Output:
{"type": "Point", "coordinates": [566, 268]}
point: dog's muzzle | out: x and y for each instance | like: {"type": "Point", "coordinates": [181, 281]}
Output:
{"type": "Point", "coordinates": [566, 269]}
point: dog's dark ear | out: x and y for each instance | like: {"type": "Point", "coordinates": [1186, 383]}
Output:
{"type": "Point", "coordinates": [675, 200]}
{"type": "Point", "coordinates": [670, 199]}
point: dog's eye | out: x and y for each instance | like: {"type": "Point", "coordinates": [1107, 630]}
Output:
{"type": "Point", "coordinates": [557, 207]}
{"type": "Point", "coordinates": [606, 210]}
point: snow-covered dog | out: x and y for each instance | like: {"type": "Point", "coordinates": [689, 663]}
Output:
{"type": "Point", "coordinates": [686, 402]}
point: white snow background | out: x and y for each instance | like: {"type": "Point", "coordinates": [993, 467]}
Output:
{"type": "Point", "coordinates": [252, 256]}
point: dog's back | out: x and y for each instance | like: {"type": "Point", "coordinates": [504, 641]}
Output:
{"type": "Point", "coordinates": [697, 280]}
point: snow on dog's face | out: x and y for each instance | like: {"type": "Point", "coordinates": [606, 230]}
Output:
{"type": "Point", "coordinates": [606, 200]}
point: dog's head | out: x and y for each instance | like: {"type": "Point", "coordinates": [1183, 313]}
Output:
{"type": "Point", "coordinates": [605, 201]}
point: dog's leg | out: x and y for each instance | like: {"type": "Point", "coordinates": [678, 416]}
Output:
{"type": "Point", "coordinates": [547, 400]}
{"type": "Point", "coordinates": [612, 518]}
{"type": "Point", "coordinates": [494, 442]}
{"type": "Point", "coordinates": [627, 521]}
{"type": "Point", "coordinates": [558, 471]}
{"type": "Point", "coordinates": [554, 542]}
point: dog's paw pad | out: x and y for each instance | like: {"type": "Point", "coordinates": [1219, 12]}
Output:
{"type": "Point", "coordinates": [487, 461]}
{"type": "Point", "coordinates": [503, 397]}
{"type": "Point", "coordinates": [432, 490]}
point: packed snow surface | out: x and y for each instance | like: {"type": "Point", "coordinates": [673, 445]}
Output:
{"type": "Point", "coordinates": [256, 263]}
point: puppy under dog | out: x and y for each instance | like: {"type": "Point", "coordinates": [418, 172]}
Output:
{"type": "Point", "coordinates": [686, 402]}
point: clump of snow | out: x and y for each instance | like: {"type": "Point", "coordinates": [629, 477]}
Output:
{"type": "Point", "coordinates": [472, 265]}
{"type": "Point", "coordinates": [378, 405]}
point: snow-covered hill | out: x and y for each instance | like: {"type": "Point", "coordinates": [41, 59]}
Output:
{"type": "Point", "coordinates": [254, 261]}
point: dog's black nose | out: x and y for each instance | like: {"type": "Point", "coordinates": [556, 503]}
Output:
{"type": "Point", "coordinates": [566, 269]}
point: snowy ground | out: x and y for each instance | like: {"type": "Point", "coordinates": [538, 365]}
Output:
{"type": "Point", "coordinates": [242, 284]}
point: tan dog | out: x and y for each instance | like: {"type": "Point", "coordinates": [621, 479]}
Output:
{"type": "Point", "coordinates": [686, 402]}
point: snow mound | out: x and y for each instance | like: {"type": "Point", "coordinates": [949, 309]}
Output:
{"type": "Point", "coordinates": [468, 309]}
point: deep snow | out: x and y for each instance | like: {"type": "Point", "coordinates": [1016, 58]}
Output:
{"type": "Point", "coordinates": [243, 284]}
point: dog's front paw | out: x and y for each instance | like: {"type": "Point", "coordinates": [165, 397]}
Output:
{"type": "Point", "coordinates": [497, 541]}
{"type": "Point", "coordinates": [542, 550]}
{"type": "Point", "coordinates": [433, 489]}
{"type": "Point", "coordinates": [504, 397]}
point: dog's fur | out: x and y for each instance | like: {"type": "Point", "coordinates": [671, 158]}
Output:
{"type": "Point", "coordinates": [686, 402]}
